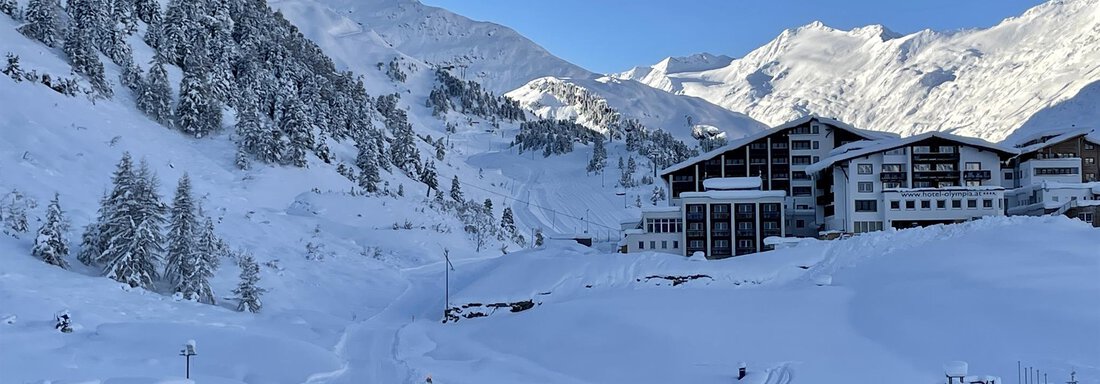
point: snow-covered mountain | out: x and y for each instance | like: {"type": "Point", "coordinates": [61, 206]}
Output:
{"type": "Point", "coordinates": [598, 102]}
{"type": "Point", "coordinates": [484, 51]}
{"type": "Point", "coordinates": [1029, 73]}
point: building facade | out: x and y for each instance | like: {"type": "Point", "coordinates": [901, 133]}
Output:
{"type": "Point", "coordinates": [920, 180]}
{"type": "Point", "coordinates": [732, 216]}
{"type": "Point", "coordinates": [1057, 173]}
{"type": "Point", "coordinates": [779, 157]}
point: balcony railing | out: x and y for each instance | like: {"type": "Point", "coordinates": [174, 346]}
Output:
{"type": "Point", "coordinates": [770, 232]}
{"type": "Point", "coordinates": [892, 176]}
{"type": "Point", "coordinates": [720, 216]}
{"type": "Point", "coordinates": [936, 175]}
{"type": "Point", "coordinates": [744, 215]}
{"type": "Point", "coordinates": [720, 233]}
{"type": "Point", "coordinates": [746, 232]}
{"type": "Point", "coordinates": [977, 175]}
{"type": "Point", "coordinates": [935, 156]}
{"type": "Point", "coordinates": [745, 250]}
{"type": "Point", "coordinates": [770, 215]}
{"type": "Point", "coordinates": [696, 234]}
{"type": "Point", "coordinates": [695, 216]}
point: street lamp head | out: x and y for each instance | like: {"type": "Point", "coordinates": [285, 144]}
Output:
{"type": "Point", "coordinates": [189, 348]}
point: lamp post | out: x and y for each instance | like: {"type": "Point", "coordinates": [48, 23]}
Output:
{"type": "Point", "coordinates": [586, 220]}
{"type": "Point", "coordinates": [188, 351]}
{"type": "Point", "coordinates": [447, 284]}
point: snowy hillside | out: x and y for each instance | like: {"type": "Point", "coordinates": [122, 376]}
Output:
{"type": "Point", "coordinates": [487, 52]}
{"type": "Point", "coordinates": [592, 102]}
{"type": "Point", "coordinates": [1034, 72]}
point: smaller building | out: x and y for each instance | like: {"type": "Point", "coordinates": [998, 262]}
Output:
{"type": "Point", "coordinates": [731, 217]}
{"type": "Point", "coordinates": [1055, 173]}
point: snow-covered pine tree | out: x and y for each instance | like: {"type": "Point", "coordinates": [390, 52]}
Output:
{"type": "Point", "coordinates": [658, 195]}
{"type": "Point", "coordinates": [508, 222]}
{"type": "Point", "coordinates": [131, 78]}
{"type": "Point", "coordinates": [42, 21]}
{"type": "Point", "coordinates": [367, 160]}
{"type": "Point", "coordinates": [456, 191]}
{"type": "Point", "coordinates": [12, 69]}
{"type": "Point", "coordinates": [92, 243]}
{"type": "Point", "coordinates": [14, 212]}
{"type": "Point", "coordinates": [315, 247]}
{"type": "Point", "coordinates": [194, 113]}
{"type": "Point", "coordinates": [10, 8]}
{"type": "Point", "coordinates": [51, 245]}
{"type": "Point", "coordinates": [599, 156]}
{"type": "Point", "coordinates": [133, 232]}
{"type": "Point", "coordinates": [80, 43]}
{"type": "Point", "coordinates": [209, 248]}
{"type": "Point", "coordinates": [440, 149]}
{"type": "Point", "coordinates": [182, 250]}
{"type": "Point", "coordinates": [297, 127]}
{"type": "Point", "coordinates": [248, 293]}
{"type": "Point", "coordinates": [488, 205]}
{"type": "Point", "coordinates": [147, 11]}
{"type": "Point", "coordinates": [155, 98]}
{"type": "Point", "coordinates": [429, 177]}
{"type": "Point", "coordinates": [538, 238]}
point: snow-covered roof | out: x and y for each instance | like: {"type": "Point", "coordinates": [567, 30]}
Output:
{"type": "Point", "coordinates": [734, 195]}
{"type": "Point", "coordinates": [661, 209]}
{"type": "Point", "coordinates": [886, 145]}
{"type": "Point", "coordinates": [1053, 137]}
{"type": "Point", "coordinates": [728, 183]}
{"type": "Point", "coordinates": [745, 140]}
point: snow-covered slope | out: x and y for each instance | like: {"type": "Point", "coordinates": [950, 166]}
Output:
{"type": "Point", "coordinates": [1037, 71]}
{"type": "Point", "coordinates": [552, 97]}
{"type": "Point", "coordinates": [490, 53]}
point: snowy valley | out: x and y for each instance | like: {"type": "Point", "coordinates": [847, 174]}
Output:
{"type": "Point", "coordinates": [365, 228]}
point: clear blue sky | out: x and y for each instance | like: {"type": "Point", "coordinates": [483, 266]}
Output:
{"type": "Point", "coordinates": [615, 35]}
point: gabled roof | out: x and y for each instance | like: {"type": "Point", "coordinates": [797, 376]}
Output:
{"type": "Point", "coordinates": [886, 145]}
{"type": "Point", "coordinates": [1055, 137]}
{"type": "Point", "coordinates": [745, 140]}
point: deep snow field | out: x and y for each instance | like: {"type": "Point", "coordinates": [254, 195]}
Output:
{"type": "Point", "coordinates": [900, 304]}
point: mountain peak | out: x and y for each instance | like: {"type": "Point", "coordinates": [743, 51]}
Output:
{"type": "Point", "coordinates": [692, 63]}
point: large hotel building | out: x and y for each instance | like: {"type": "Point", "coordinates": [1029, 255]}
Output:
{"type": "Point", "coordinates": [814, 175]}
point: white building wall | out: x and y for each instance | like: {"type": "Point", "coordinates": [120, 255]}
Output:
{"type": "Point", "coordinates": [1028, 176]}
{"type": "Point", "coordinates": [989, 162]}
{"type": "Point", "coordinates": [875, 161]}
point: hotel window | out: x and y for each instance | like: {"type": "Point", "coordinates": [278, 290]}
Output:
{"type": "Point", "coordinates": [802, 206]}
{"type": "Point", "coordinates": [868, 226]}
{"type": "Point", "coordinates": [910, 204]}
{"type": "Point", "coordinates": [744, 225]}
{"type": "Point", "coordinates": [945, 167]}
{"type": "Point", "coordinates": [922, 149]}
{"type": "Point", "coordinates": [814, 128]}
{"type": "Point", "coordinates": [866, 206]}
{"type": "Point", "coordinates": [817, 158]}
{"type": "Point", "coordinates": [973, 183]}
{"type": "Point", "coordinates": [683, 178]}
{"type": "Point", "coordinates": [744, 243]}
{"type": "Point", "coordinates": [721, 226]}
{"type": "Point", "coordinates": [1085, 216]}
{"type": "Point", "coordinates": [1090, 177]}
{"type": "Point", "coordinates": [973, 166]}
{"type": "Point", "coordinates": [971, 203]}
{"type": "Point", "coordinates": [779, 160]}
{"type": "Point", "coordinates": [771, 225]}
{"type": "Point", "coordinates": [744, 208]}
{"type": "Point", "coordinates": [800, 223]}
{"type": "Point", "coordinates": [770, 207]}
{"type": "Point", "coordinates": [664, 244]}
{"type": "Point", "coordinates": [758, 161]}
{"type": "Point", "coordinates": [891, 167]}
{"type": "Point", "coordinates": [758, 146]}
{"type": "Point", "coordinates": [720, 208]}
{"type": "Point", "coordinates": [779, 145]}
{"type": "Point", "coordinates": [987, 203]}
{"type": "Point", "coordinates": [896, 151]}
{"type": "Point", "coordinates": [652, 244]}
{"type": "Point", "coordinates": [922, 167]}
{"type": "Point", "coordinates": [1090, 160]}
{"type": "Point", "coordinates": [956, 204]}
{"type": "Point", "coordinates": [802, 191]}
{"type": "Point", "coordinates": [941, 204]}
{"type": "Point", "coordinates": [925, 204]}
{"type": "Point", "coordinates": [1089, 146]}
{"type": "Point", "coordinates": [675, 244]}
{"type": "Point", "coordinates": [695, 226]}
{"type": "Point", "coordinates": [945, 184]}
{"type": "Point", "coordinates": [695, 208]}
{"type": "Point", "coordinates": [737, 161]}
{"type": "Point", "coordinates": [800, 160]}
{"type": "Point", "coordinates": [895, 205]}
{"type": "Point", "coordinates": [866, 187]}
{"type": "Point", "coordinates": [893, 185]}
{"type": "Point", "coordinates": [641, 245]}
{"type": "Point", "coordinates": [1055, 171]}
{"type": "Point", "coordinates": [922, 184]}
{"type": "Point", "coordinates": [947, 149]}
{"type": "Point", "coordinates": [721, 243]}
{"type": "Point", "coordinates": [865, 169]}
{"type": "Point", "coordinates": [695, 244]}
{"type": "Point", "coordinates": [1008, 175]}
{"type": "Point", "coordinates": [815, 144]}
{"type": "Point", "coordinates": [799, 175]}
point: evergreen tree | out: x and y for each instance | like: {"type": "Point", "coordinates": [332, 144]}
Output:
{"type": "Point", "coordinates": [488, 205]}
{"type": "Point", "coordinates": [155, 98]}
{"type": "Point", "coordinates": [538, 238]}
{"type": "Point", "coordinates": [50, 245]}
{"type": "Point", "coordinates": [658, 195]}
{"type": "Point", "coordinates": [182, 250]}
{"type": "Point", "coordinates": [366, 160]}
{"type": "Point", "coordinates": [299, 133]}
{"type": "Point", "coordinates": [42, 22]}
{"type": "Point", "coordinates": [87, 18]}
{"type": "Point", "coordinates": [92, 243]}
{"type": "Point", "coordinates": [456, 191]}
{"type": "Point", "coordinates": [12, 68]}
{"type": "Point", "coordinates": [208, 247]}
{"type": "Point", "coordinates": [429, 177]}
{"type": "Point", "coordinates": [599, 157]}
{"type": "Point", "coordinates": [131, 78]}
{"type": "Point", "coordinates": [194, 114]}
{"type": "Point", "coordinates": [10, 8]}
{"type": "Point", "coordinates": [14, 213]}
{"type": "Point", "coordinates": [508, 222]}
{"type": "Point", "coordinates": [133, 232]}
{"type": "Point", "coordinates": [148, 11]}
{"type": "Point", "coordinates": [248, 293]}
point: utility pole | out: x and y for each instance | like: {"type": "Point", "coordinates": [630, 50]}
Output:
{"type": "Point", "coordinates": [586, 220]}
{"type": "Point", "coordinates": [447, 284]}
